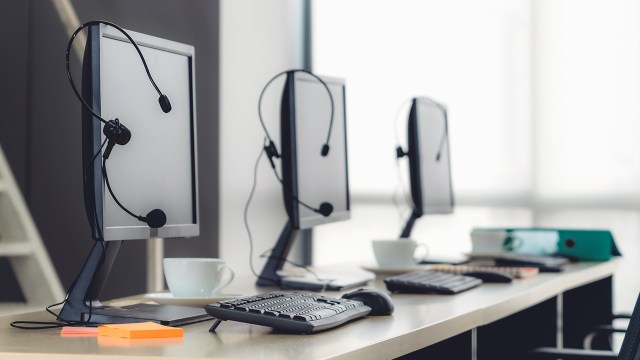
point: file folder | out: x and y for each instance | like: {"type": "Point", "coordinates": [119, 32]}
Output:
{"type": "Point", "coordinates": [581, 244]}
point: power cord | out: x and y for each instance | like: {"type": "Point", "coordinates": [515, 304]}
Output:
{"type": "Point", "coordinates": [246, 217]}
{"type": "Point", "coordinates": [268, 254]}
{"type": "Point", "coordinates": [41, 325]}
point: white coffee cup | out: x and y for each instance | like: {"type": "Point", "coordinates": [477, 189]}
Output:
{"type": "Point", "coordinates": [397, 253]}
{"type": "Point", "coordinates": [196, 277]}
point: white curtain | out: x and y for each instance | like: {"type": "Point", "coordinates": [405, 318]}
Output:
{"type": "Point", "coordinates": [544, 116]}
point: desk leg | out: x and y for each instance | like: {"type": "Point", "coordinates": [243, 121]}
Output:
{"type": "Point", "coordinates": [474, 344]}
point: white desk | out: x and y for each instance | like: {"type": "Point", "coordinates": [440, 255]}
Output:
{"type": "Point", "coordinates": [418, 322]}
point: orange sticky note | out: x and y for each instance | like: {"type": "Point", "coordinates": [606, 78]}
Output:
{"type": "Point", "coordinates": [108, 341]}
{"type": "Point", "coordinates": [77, 331]}
{"type": "Point", "coordinates": [139, 331]}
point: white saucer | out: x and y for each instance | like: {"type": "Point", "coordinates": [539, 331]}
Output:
{"type": "Point", "coordinates": [166, 298]}
{"type": "Point", "coordinates": [393, 271]}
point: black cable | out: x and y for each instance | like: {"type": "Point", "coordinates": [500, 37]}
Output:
{"type": "Point", "coordinates": [41, 325]}
{"type": "Point", "coordinates": [50, 324]}
{"type": "Point", "coordinates": [103, 255]}
{"type": "Point", "coordinates": [100, 235]}
{"type": "Point", "coordinates": [275, 172]}
{"type": "Point", "coordinates": [37, 325]}
{"type": "Point", "coordinates": [246, 217]}
{"type": "Point", "coordinates": [45, 324]}
{"type": "Point", "coordinates": [305, 267]}
{"type": "Point", "coordinates": [264, 89]}
{"type": "Point", "coordinates": [251, 246]}
{"type": "Point", "coordinates": [86, 184]}
{"type": "Point", "coordinates": [97, 223]}
{"type": "Point", "coordinates": [73, 86]}
{"type": "Point", "coordinates": [106, 180]}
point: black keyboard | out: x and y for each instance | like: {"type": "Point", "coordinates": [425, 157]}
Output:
{"type": "Point", "coordinates": [289, 311]}
{"type": "Point", "coordinates": [431, 282]}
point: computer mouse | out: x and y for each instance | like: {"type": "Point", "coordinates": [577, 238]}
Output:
{"type": "Point", "coordinates": [379, 302]}
{"type": "Point", "coordinates": [490, 276]}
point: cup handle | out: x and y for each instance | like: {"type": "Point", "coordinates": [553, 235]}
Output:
{"type": "Point", "coordinates": [231, 276]}
{"type": "Point", "coordinates": [424, 255]}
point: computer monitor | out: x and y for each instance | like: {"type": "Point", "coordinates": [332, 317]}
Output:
{"type": "Point", "coordinates": [306, 174]}
{"type": "Point", "coordinates": [429, 161]}
{"type": "Point", "coordinates": [310, 179]}
{"type": "Point", "coordinates": [156, 169]}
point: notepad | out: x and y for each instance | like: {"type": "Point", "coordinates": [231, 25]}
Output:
{"type": "Point", "coordinates": [108, 341]}
{"type": "Point", "coordinates": [78, 331]}
{"type": "Point", "coordinates": [139, 331]}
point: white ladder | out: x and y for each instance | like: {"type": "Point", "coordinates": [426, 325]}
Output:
{"type": "Point", "coordinates": [21, 243]}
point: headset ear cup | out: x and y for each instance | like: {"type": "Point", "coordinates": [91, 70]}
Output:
{"type": "Point", "coordinates": [115, 131]}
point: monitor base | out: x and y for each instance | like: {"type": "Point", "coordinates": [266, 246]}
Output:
{"type": "Point", "coordinates": [86, 290]}
{"type": "Point", "coordinates": [272, 272]}
{"type": "Point", "coordinates": [170, 315]}
{"type": "Point", "coordinates": [330, 282]}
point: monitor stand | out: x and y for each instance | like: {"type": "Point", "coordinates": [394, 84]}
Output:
{"type": "Point", "coordinates": [82, 305]}
{"type": "Point", "coordinates": [272, 272]}
{"type": "Point", "coordinates": [455, 259]}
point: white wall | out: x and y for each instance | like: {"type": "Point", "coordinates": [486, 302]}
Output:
{"type": "Point", "coordinates": [257, 40]}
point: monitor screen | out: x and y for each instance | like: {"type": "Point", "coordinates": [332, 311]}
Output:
{"type": "Point", "coordinates": [429, 161]}
{"type": "Point", "coordinates": [314, 179]}
{"type": "Point", "coordinates": [157, 168]}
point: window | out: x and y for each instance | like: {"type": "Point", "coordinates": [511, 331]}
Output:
{"type": "Point", "coordinates": [544, 115]}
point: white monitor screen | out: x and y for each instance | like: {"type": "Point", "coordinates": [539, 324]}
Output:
{"type": "Point", "coordinates": [156, 169]}
{"type": "Point", "coordinates": [435, 172]}
{"type": "Point", "coordinates": [321, 179]}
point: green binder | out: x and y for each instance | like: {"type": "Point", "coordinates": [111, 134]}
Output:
{"type": "Point", "coordinates": [597, 245]}
{"type": "Point", "coordinates": [582, 244]}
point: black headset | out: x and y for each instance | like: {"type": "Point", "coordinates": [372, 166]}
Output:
{"type": "Point", "coordinates": [115, 132]}
{"type": "Point", "coordinates": [325, 209]}
{"type": "Point", "coordinates": [400, 153]}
